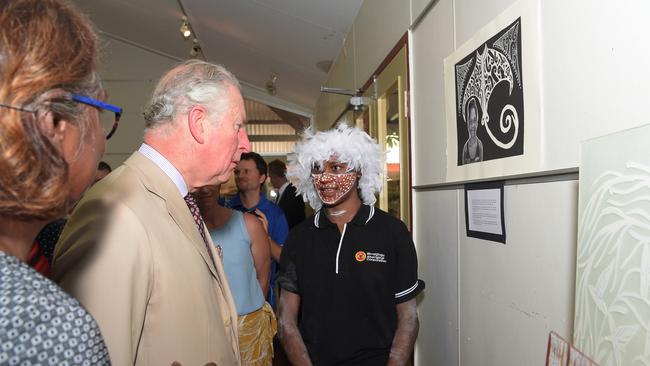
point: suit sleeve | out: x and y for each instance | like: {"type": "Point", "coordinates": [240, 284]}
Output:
{"type": "Point", "coordinates": [406, 282]}
{"type": "Point", "coordinates": [103, 259]}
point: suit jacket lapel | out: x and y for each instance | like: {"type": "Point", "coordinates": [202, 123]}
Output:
{"type": "Point", "coordinates": [158, 183]}
{"type": "Point", "coordinates": [183, 218]}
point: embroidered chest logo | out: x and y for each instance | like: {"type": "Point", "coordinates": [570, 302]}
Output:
{"type": "Point", "coordinates": [360, 256]}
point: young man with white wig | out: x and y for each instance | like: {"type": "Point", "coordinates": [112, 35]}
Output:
{"type": "Point", "coordinates": [351, 269]}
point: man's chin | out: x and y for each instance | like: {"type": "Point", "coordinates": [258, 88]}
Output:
{"type": "Point", "coordinates": [221, 179]}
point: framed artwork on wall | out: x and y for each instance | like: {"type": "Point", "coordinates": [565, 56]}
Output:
{"type": "Point", "coordinates": [492, 98]}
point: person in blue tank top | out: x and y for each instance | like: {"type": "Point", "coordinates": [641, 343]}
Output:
{"type": "Point", "coordinates": [243, 242]}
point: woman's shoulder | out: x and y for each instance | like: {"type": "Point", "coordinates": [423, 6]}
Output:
{"type": "Point", "coordinates": [34, 311]}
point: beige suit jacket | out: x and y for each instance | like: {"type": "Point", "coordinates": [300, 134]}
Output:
{"type": "Point", "coordinates": [133, 256]}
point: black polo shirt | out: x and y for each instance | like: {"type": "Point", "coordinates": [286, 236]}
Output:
{"type": "Point", "coordinates": [349, 284]}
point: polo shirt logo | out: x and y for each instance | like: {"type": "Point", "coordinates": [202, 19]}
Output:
{"type": "Point", "coordinates": [360, 256]}
{"type": "Point", "coordinates": [376, 257]}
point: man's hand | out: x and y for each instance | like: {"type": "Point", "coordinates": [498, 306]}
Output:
{"type": "Point", "coordinates": [262, 217]}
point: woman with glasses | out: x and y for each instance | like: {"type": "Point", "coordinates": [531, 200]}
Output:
{"type": "Point", "coordinates": [51, 139]}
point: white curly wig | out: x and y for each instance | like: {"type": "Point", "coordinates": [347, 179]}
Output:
{"type": "Point", "coordinates": [351, 146]}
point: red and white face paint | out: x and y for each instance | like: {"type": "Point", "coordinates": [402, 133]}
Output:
{"type": "Point", "coordinates": [332, 187]}
{"type": "Point", "coordinates": [333, 182]}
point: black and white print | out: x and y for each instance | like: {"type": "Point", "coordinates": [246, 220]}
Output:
{"type": "Point", "coordinates": [490, 99]}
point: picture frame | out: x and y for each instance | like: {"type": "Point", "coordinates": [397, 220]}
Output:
{"type": "Point", "coordinates": [492, 98]}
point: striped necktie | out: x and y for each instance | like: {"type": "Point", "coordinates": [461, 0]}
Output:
{"type": "Point", "coordinates": [196, 215]}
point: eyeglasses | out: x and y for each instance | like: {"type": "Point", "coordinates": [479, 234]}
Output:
{"type": "Point", "coordinates": [17, 108]}
{"type": "Point", "coordinates": [109, 126]}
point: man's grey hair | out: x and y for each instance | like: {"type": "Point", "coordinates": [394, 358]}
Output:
{"type": "Point", "coordinates": [191, 83]}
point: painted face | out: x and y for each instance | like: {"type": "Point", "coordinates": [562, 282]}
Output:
{"type": "Point", "coordinates": [334, 181]}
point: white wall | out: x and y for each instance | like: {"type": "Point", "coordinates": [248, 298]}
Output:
{"type": "Point", "coordinates": [436, 240]}
{"type": "Point", "coordinates": [129, 74]}
{"type": "Point", "coordinates": [507, 298]}
{"type": "Point", "coordinates": [511, 296]}
{"type": "Point", "coordinates": [379, 25]}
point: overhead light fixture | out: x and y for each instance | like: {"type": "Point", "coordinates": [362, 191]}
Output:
{"type": "Point", "coordinates": [186, 32]}
{"type": "Point", "coordinates": [196, 47]}
{"type": "Point", "coordinates": [357, 102]}
{"type": "Point", "coordinates": [271, 85]}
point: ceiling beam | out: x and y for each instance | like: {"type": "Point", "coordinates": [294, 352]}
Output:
{"type": "Point", "coordinates": [266, 122]}
{"type": "Point", "coordinates": [299, 123]}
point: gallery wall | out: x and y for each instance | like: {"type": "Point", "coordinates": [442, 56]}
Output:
{"type": "Point", "coordinates": [130, 74]}
{"type": "Point", "coordinates": [493, 304]}
{"type": "Point", "coordinates": [379, 25]}
{"type": "Point", "coordinates": [593, 59]}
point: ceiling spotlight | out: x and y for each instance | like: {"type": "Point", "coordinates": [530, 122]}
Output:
{"type": "Point", "coordinates": [186, 32]}
{"type": "Point", "coordinates": [195, 50]}
{"type": "Point", "coordinates": [271, 86]}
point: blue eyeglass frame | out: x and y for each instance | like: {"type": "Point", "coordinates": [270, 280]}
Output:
{"type": "Point", "coordinates": [88, 101]}
{"type": "Point", "coordinates": [102, 105]}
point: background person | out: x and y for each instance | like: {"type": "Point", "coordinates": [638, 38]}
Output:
{"type": "Point", "coordinates": [103, 169]}
{"type": "Point", "coordinates": [247, 261]}
{"type": "Point", "coordinates": [135, 251]}
{"type": "Point", "coordinates": [250, 175]}
{"type": "Point", "coordinates": [50, 145]}
{"type": "Point", "coordinates": [291, 203]}
{"type": "Point", "coordinates": [351, 270]}
{"type": "Point", "coordinates": [40, 256]}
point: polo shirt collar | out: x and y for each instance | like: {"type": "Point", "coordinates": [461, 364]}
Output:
{"type": "Point", "coordinates": [363, 217]}
{"type": "Point", "coordinates": [236, 203]}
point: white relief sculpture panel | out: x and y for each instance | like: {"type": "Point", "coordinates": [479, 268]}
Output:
{"type": "Point", "coordinates": [612, 305]}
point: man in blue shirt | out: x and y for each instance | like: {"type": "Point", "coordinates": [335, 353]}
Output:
{"type": "Point", "coordinates": [250, 174]}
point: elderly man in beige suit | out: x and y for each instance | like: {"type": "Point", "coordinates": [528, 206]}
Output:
{"type": "Point", "coordinates": [134, 251]}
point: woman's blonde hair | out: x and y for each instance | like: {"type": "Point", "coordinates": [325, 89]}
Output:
{"type": "Point", "coordinates": [48, 50]}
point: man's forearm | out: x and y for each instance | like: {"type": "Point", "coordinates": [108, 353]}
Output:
{"type": "Point", "coordinates": [288, 332]}
{"type": "Point", "coordinates": [406, 333]}
{"type": "Point", "coordinates": [293, 345]}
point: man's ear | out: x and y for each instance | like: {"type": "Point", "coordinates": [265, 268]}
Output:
{"type": "Point", "coordinates": [55, 128]}
{"type": "Point", "coordinates": [262, 178]}
{"type": "Point", "coordinates": [197, 123]}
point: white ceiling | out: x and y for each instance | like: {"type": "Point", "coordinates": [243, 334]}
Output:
{"type": "Point", "coordinates": [252, 38]}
